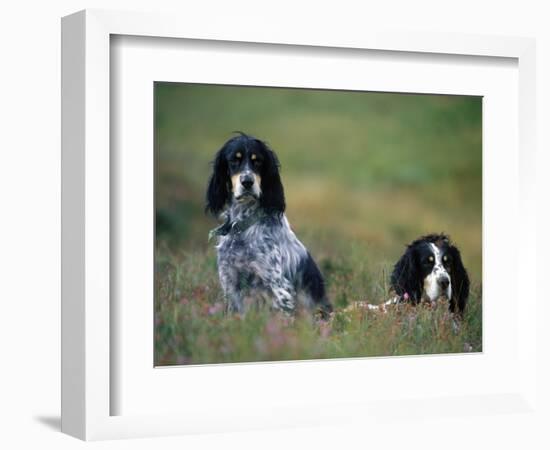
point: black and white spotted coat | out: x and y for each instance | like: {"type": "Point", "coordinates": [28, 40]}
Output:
{"type": "Point", "coordinates": [264, 263]}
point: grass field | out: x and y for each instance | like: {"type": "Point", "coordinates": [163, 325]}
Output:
{"type": "Point", "coordinates": [364, 174]}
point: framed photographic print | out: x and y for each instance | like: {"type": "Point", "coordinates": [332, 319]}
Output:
{"type": "Point", "coordinates": [334, 162]}
{"type": "Point", "coordinates": [259, 225]}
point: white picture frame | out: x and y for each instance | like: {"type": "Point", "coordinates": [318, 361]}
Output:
{"type": "Point", "coordinates": [88, 386]}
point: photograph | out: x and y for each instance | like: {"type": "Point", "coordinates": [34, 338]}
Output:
{"type": "Point", "coordinates": [304, 224]}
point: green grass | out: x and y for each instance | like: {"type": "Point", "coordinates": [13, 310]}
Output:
{"type": "Point", "coordinates": [193, 328]}
{"type": "Point", "coordinates": [364, 174]}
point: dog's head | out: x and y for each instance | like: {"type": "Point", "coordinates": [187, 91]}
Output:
{"type": "Point", "coordinates": [245, 170]}
{"type": "Point", "coordinates": [431, 268]}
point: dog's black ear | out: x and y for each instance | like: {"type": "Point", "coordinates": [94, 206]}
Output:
{"type": "Point", "coordinates": [273, 195]}
{"type": "Point", "coordinates": [218, 191]}
{"type": "Point", "coordinates": [460, 282]}
{"type": "Point", "coordinates": [405, 278]}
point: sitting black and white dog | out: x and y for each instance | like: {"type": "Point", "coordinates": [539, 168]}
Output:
{"type": "Point", "coordinates": [430, 269]}
{"type": "Point", "coordinates": [260, 260]}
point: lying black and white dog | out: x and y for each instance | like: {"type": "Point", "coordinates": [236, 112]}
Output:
{"type": "Point", "coordinates": [260, 260]}
{"type": "Point", "coordinates": [430, 269]}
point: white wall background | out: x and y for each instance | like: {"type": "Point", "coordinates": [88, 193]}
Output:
{"type": "Point", "coordinates": [30, 221]}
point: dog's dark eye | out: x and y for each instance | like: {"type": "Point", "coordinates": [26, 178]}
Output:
{"type": "Point", "coordinates": [429, 261]}
{"type": "Point", "coordinates": [235, 158]}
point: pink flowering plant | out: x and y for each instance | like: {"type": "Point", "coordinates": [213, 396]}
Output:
{"type": "Point", "coordinates": [193, 327]}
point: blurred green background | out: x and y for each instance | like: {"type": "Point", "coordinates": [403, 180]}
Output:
{"type": "Point", "coordinates": [364, 175]}
{"type": "Point", "coordinates": [373, 169]}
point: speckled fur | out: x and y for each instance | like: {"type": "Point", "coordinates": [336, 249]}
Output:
{"type": "Point", "coordinates": [260, 259]}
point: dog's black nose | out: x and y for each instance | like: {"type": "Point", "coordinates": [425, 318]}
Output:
{"type": "Point", "coordinates": [443, 282]}
{"type": "Point", "coordinates": [247, 181]}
